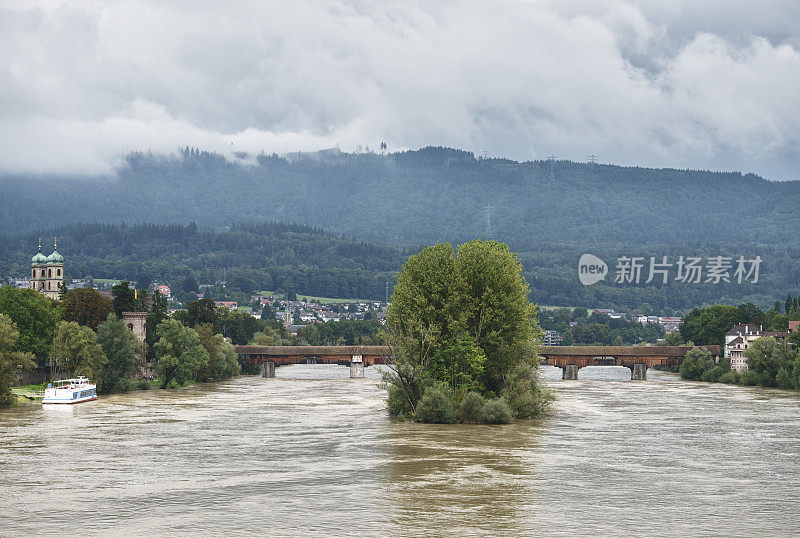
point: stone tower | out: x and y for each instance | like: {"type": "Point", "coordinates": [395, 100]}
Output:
{"type": "Point", "coordinates": [137, 323]}
{"type": "Point", "coordinates": [47, 272]}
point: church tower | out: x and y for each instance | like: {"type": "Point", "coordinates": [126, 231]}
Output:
{"type": "Point", "coordinates": [47, 272]}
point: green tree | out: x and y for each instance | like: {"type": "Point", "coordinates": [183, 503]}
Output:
{"type": "Point", "coordinates": [202, 311]}
{"type": "Point", "coordinates": [76, 351]}
{"type": "Point", "coordinates": [492, 297]}
{"type": "Point", "coordinates": [157, 314]}
{"type": "Point", "coordinates": [190, 284]}
{"type": "Point", "coordinates": [179, 354]}
{"type": "Point", "coordinates": [237, 325]}
{"type": "Point", "coordinates": [222, 360]}
{"type": "Point", "coordinates": [463, 321]}
{"type": "Point", "coordinates": [11, 360]}
{"type": "Point", "coordinates": [672, 339]}
{"type": "Point", "coordinates": [124, 298]}
{"type": "Point", "coordinates": [123, 353]}
{"type": "Point", "coordinates": [696, 362]}
{"type": "Point", "coordinates": [707, 326]}
{"type": "Point", "coordinates": [85, 306]}
{"type": "Point", "coordinates": [35, 319]}
{"type": "Point", "coordinates": [766, 357]}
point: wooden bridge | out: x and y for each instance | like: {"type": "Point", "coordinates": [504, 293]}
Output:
{"type": "Point", "coordinates": [568, 358]}
{"type": "Point", "coordinates": [638, 358]}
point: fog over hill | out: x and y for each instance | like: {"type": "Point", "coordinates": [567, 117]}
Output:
{"type": "Point", "coordinates": [549, 211]}
{"type": "Point", "coordinates": [421, 196]}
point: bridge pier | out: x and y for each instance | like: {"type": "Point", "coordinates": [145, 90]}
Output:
{"type": "Point", "coordinates": [639, 372]}
{"type": "Point", "coordinates": [357, 366]}
{"type": "Point", "coordinates": [267, 369]}
{"type": "Point", "coordinates": [570, 371]}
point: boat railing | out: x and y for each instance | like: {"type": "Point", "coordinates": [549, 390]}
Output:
{"type": "Point", "coordinates": [27, 393]}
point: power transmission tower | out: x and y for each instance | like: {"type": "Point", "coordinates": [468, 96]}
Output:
{"type": "Point", "coordinates": [552, 159]}
{"type": "Point", "coordinates": [488, 212]}
{"type": "Point", "coordinates": [387, 292]}
{"type": "Point", "coordinates": [593, 158]}
{"type": "Point", "coordinates": [485, 154]}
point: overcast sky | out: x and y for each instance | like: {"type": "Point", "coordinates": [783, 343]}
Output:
{"type": "Point", "coordinates": [685, 84]}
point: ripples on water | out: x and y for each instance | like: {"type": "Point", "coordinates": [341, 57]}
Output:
{"type": "Point", "coordinates": [313, 451]}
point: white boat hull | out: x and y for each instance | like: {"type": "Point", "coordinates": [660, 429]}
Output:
{"type": "Point", "coordinates": [68, 401]}
{"type": "Point", "coordinates": [70, 391]}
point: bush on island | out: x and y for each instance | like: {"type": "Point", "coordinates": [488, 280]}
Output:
{"type": "Point", "coordinates": [471, 409]}
{"type": "Point", "coordinates": [497, 411]}
{"type": "Point", "coordinates": [435, 407]}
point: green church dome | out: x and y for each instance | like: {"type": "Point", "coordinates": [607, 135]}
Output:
{"type": "Point", "coordinates": [39, 259]}
{"type": "Point", "coordinates": [55, 257]}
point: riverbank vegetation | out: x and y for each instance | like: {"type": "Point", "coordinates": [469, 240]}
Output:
{"type": "Point", "coordinates": [83, 334]}
{"type": "Point", "coordinates": [771, 363]}
{"type": "Point", "coordinates": [463, 333]}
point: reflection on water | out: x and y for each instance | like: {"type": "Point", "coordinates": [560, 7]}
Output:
{"type": "Point", "coordinates": [313, 451]}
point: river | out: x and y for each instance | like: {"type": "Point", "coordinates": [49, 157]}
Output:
{"type": "Point", "coordinates": [313, 452]}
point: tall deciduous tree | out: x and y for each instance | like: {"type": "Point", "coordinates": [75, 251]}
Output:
{"type": "Point", "coordinates": [696, 362]}
{"type": "Point", "coordinates": [465, 320]}
{"type": "Point", "coordinates": [35, 319]}
{"type": "Point", "coordinates": [222, 361]}
{"type": "Point", "coordinates": [124, 354]}
{"type": "Point", "coordinates": [179, 353]}
{"type": "Point", "coordinates": [707, 326]}
{"type": "Point", "coordinates": [771, 361]}
{"type": "Point", "coordinates": [11, 360]}
{"type": "Point", "coordinates": [76, 351]}
{"type": "Point", "coordinates": [85, 306]}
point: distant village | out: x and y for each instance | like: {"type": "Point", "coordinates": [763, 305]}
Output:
{"type": "Point", "coordinates": [293, 314]}
{"type": "Point", "coordinates": [47, 277]}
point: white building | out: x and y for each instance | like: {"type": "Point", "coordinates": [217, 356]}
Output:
{"type": "Point", "coordinates": [552, 338]}
{"type": "Point", "coordinates": [739, 338]}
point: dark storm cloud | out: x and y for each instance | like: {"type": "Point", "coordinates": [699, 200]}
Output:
{"type": "Point", "coordinates": [684, 84]}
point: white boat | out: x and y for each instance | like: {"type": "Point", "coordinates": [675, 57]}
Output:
{"type": "Point", "coordinates": [70, 391]}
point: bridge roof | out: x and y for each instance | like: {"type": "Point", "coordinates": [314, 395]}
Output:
{"type": "Point", "coordinates": [278, 351]}
{"type": "Point", "coordinates": [553, 351]}
{"type": "Point", "coordinates": [622, 351]}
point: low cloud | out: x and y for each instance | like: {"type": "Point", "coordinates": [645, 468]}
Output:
{"type": "Point", "coordinates": [643, 83]}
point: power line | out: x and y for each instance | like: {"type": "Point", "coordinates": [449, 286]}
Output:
{"type": "Point", "coordinates": [552, 159]}
{"type": "Point", "coordinates": [488, 212]}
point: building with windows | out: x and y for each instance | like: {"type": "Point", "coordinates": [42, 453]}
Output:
{"type": "Point", "coordinates": [552, 338]}
{"type": "Point", "coordinates": [47, 272]}
{"type": "Point", "coordinates": [739, 338]}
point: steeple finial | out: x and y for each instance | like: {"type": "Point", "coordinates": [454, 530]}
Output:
{"type": "Point", "coordinates": [40, 244]}
{"type": "Point", "coordinates": [55, 243]}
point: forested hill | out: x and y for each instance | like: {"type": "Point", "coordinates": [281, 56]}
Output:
{"type": "Point", "coordinates": [422, 196]}
{"type": "Point", "coordinates": [549, 212]}
{"type": "Point", "coordinates": [310, 261]}
{"type": "Point", "coordinates": [249, 257]}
